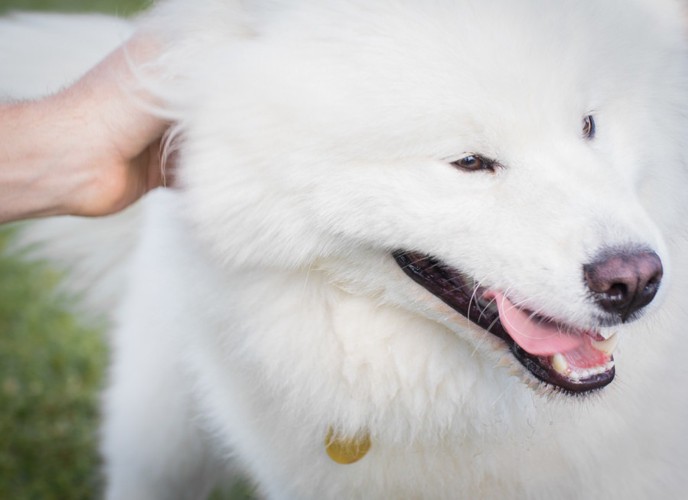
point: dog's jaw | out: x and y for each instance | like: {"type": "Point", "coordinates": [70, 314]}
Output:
{"type": "Point", "coordinates": [577, 362]}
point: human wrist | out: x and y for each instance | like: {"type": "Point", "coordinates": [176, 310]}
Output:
{"type": "Point", "coordinates": [33, 180]}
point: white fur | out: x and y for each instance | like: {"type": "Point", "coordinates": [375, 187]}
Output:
{"type": "Point", "coordinates": [262, 306]}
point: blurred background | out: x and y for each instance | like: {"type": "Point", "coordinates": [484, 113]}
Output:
{"type": "Point", "coordinates": [52, 365]}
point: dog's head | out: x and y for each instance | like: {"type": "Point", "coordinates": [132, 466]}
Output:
{"type": "Point", "coordinates": [523, 165]}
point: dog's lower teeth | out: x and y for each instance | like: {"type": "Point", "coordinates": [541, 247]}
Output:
{"type": "Point", "coordinates": [607, 346]}
{"type": "Point", "coordinates": [562, 367]}
{"type": "Point", "coordinates": [560, 364]}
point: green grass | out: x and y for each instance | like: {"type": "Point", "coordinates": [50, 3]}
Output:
{"type": "Point", "coordinates": [120, 7]}
{"type": "Point", "coordinates": [50, 374]}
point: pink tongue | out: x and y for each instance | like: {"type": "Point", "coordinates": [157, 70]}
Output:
{"type": "Point", "coordinates": [541, 338]}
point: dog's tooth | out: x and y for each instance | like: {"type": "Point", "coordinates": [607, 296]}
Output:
{"type": "Point", "coordinates": [560, 364]}
{"type": "Point", "coordinates": [607, 346]}
{"type": "Point", "coordinates": [605, 333]}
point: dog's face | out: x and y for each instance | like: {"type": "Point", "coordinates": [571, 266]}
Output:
{"type": "Point", "coordinates": [522, 172]}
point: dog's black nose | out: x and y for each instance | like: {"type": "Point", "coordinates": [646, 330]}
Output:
{"type": "Point", "coordinates": [623, 282]}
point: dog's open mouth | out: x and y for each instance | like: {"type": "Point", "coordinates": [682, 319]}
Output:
{"type": "Point", "coordinates": [576, 360]}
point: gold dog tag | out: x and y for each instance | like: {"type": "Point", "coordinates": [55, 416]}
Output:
{"type": "Point", "coordinates": [347, 451]}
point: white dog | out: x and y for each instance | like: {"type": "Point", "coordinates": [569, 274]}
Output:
{"type": "Point", "coordinates": [407, 238]}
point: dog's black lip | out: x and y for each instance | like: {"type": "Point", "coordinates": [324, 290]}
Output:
{"type": "Point", "coordinates": [450, 286]}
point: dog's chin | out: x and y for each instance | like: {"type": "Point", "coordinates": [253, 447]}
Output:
{"type": "Point", "coordinates": [573, 359]}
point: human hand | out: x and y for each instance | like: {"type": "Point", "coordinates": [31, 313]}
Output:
{"type": "Point", "coordinates": [89, 150]}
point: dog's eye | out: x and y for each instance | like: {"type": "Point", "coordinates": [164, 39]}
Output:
{"type": "Point", "coordinates": [474, 163]}
{"type": "Point", "coordinates": [589, 127]}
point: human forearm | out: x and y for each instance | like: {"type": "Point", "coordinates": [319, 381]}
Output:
{"type": "Point", "coordinates": [37, 171]}
{"type": "Point", "coordinates": [91, 149]}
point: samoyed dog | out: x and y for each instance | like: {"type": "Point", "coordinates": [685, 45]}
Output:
{"type": "Point", "coordinates": [416, 249]}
